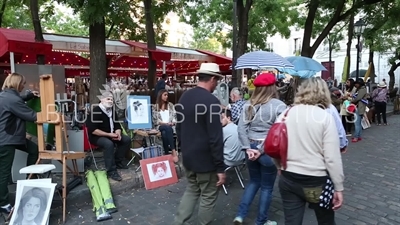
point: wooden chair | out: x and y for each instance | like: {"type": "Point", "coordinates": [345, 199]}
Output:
{"type": "Point", "coordinates": [50, 115]}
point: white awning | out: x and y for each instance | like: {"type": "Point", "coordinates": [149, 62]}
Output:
{"type": "Point", "coordinates": [81, 44]}
{"type": "Point", "coordinates": [185, 54]}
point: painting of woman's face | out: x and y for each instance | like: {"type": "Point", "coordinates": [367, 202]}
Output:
{"type": "Point", "coordinates": [31, 209]}
{"type": "Point", "coordinates": [160, 172]}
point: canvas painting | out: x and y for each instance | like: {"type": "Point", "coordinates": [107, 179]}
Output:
{"type": "Point", "coordinates": [158, 171]}
{"type": "Point", "coordinates": [33, 201]}
{"type": "Point", "coordinates": [139, 112]}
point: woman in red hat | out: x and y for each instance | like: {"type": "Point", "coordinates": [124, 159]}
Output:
{"type": "Point", "coordinates": [258, 115]}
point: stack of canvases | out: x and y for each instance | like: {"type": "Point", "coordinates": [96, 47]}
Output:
{"type": "Point", "coordinates": [103, 202]}
{"type": "Point", "coordinates": [32, 202]}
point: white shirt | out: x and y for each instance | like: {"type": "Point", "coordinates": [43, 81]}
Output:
{"type": "Point", "coordinates": [164, 116]}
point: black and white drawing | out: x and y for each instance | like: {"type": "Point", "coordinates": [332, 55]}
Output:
{"type": "Point", "coordinates": [223, 93]}
{"type": "Point", "coordinates": [33, 202]}
{"type": "Point", "coordinates": [139, 116]}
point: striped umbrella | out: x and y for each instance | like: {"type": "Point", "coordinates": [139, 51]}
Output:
{"type": "Point", "coordinates": [262, 59]}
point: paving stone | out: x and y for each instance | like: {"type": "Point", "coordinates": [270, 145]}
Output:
{"type": "Point", "coordinates": [371, 195]}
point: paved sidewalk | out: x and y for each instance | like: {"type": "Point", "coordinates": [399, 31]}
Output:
{"type": "Point", "coordinates": [372, 191]}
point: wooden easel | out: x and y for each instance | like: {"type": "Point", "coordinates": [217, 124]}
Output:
{"type": "Point", "coordinates": [50, 115]}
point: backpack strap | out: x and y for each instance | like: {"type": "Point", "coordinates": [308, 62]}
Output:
{"type": "Point", "coordinates": [286, 113]}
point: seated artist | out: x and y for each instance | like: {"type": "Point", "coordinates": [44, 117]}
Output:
{"type": "Point", "coordinates": [164, 119]}
{"type": "Point", "coordinates": [105, 131]}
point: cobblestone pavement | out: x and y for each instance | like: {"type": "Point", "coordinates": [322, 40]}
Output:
{"type": "Point", "coordinates": [372, 191]}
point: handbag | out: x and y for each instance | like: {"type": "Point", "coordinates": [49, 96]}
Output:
{"type": "Point", "coordinates": [276, 142]}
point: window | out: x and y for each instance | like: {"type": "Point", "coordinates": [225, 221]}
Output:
{"type": "Point", "coordinates": [270, 47]}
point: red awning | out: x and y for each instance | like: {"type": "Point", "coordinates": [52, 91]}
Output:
{"type": "Point", "coordinates": [158, 54]}
{"type": "Point", "coordinates": [22, 41]}
{"type": "Point", "coordinates": [71, 73]}
{"type": "Point", "coordinates": [141, 63]}
{"type": "Point", "coordinates": [52, 58]}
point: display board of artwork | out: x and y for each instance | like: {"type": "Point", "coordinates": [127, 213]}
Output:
{"type": "Point", "coordinates": [158, 172]}
{"type": "Point", "coordinates": [222, 93]}
{"type": "Point", "coordinates": [139, 112]}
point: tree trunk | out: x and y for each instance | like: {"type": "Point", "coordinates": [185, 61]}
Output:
{"type": "Point", "coordinates": [243, 31]}
{"type": "Point", "coordinates": [98, 59]}
{"type": "Point", "coordinates": [393, 68]}
{"type": "Point", "coordinates": [308, 28]}
{"type": "Point", "coordinates": [34, 8]}
{"type": "Point", "coordinates": [371, 64]}
{"type": "Point", "coordinates": [151, 44]}
{"type": "Point", "coordinates": [2, 9]}
{"type": "Point", "coordinates": [330, 59]}
{"type": "Point", "coordinates": [349, 43]}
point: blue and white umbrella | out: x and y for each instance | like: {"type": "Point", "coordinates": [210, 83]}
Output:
{"type": "Point", "coordinates": [301, 63]}
{"type": "Point", "coordinates": [262, 59]}
{"type": "Point", "coordinates": [304, 67]}
{"type": "Point", "coordinates": [301, 73]}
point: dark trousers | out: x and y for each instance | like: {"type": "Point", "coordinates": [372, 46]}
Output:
{"type": "Point", "coordinates": [347, 122]}
{"type": "Point", "coordinates": [111, 157]}
{"type": "Point", "coordinates": [7, 153]}
{"type": "Point", "coordinates": [294, 198]}
{"type": "Point", "coordinates": [380, 108]}
{"type": "Point", "coordinates": [167, 135]}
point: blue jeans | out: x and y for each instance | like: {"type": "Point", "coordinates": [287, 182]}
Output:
{"type": "Point", "coordinates": [167, 136]}
{"type": "Point", "coordinates": [357, 125]}
{"type": "Point", "coordinates": [262, 175]}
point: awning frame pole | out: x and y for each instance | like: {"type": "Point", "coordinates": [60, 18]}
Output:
{"type": "Point", "coordinates": [12, 62]}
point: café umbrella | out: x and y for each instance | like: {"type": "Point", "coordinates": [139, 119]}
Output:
{"type": "Point", "coordinates": [262, 59]}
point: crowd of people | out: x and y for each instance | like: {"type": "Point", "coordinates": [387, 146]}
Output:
{"type": "Point", "coordinates": [213, 136]}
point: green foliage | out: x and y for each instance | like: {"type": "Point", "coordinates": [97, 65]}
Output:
{"type": "Point", "coordinates": [335, 36]}
{"type": "Point", "coordinates": [202, 42]}
{"type": "Point", "coordinates": [214, 17]}
{"type": "Point", "coordinates": [383, 27]}
{"type": "Point", "coordinates": [17, 16]}
{"type": "Point", "coordinates": [125, 17]}
{"type": "Point", "coordinates": [64, 23]}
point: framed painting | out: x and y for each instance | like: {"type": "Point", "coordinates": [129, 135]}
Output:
{"type": "Point", "coordinates": [139, 112]}
{"type": "Point", "coordinates": [158, 172]}
{"type": "Point", "coordinates": [33, 202]}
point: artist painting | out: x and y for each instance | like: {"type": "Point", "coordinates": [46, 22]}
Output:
{"type": "Point", "coordinates": [32, 206]}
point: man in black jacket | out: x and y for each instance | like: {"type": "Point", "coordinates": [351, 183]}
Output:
{"type": "Point", "coordinates": [199, 131]}
{"type": "Point", "coordinates": [105, 131]}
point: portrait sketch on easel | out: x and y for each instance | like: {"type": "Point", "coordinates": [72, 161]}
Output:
{"type": "Point", "coordinates": [223, 93]}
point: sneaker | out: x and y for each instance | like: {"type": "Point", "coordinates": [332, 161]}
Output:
{"type": "Point", "coordinates": [115, 176]}
{"type": "Point", "coordinates": [270, 222]}
{"type": "Point", "coordinates": [7, 209]}
{"type": "Point", "coordinates": [238, 221]}
{"type": "Point", "coordinates": [348, 135]}
{"type": "Point", "coordinates": [354, 140]}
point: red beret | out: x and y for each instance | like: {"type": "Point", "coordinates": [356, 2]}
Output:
{"type": "Point", "coordinates": [264, 79]}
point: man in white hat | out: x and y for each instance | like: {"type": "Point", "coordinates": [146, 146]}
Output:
{"type": "Point", "coordinates": [380, 98]}
{"type": "Point", "coordinates": [199, 131]}
{"type": "Point", "coordinates": [104, 131]}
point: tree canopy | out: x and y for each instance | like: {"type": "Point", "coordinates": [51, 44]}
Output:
{"type": "Point", "coordinates": [215, 18]}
